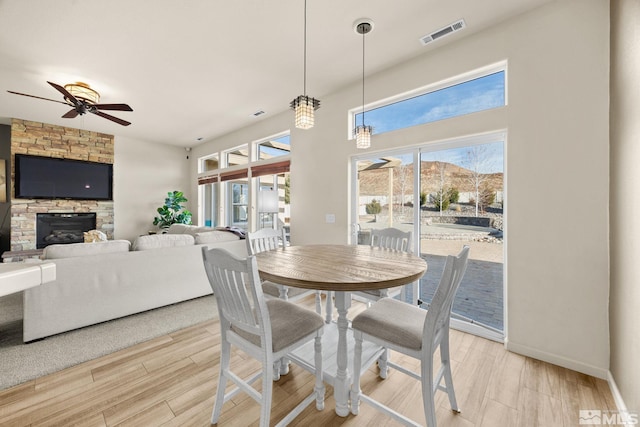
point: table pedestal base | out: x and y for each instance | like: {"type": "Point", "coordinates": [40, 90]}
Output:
{"type": "Point", "coordinates": [337, 355]}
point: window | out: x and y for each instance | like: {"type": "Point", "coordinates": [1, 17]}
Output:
{"type": "Point", "coordinates": [483, 92]}
{"type": "Point", "coordinates": [210, 197]}
{"type": "Point", "coordinates": [210, 163]}
{"type": "Point", "coordinates": [246, 186]}
{"type": "Point", "coordinates": [236, 156]}
{"type": "Point", "coordinates": [275, 147]}
{"type": "Point", "coordinates": [239, 204]}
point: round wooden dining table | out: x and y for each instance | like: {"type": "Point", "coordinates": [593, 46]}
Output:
{"type": "Point", "coordinates": [342, 269]}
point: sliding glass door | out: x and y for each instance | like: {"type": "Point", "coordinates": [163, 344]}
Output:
{"type": "Point", "coordinates": [448, 195]}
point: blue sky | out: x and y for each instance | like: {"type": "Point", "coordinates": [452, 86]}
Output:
{"type": "Point", "coordinates": [492, 157]}
{"type": "Point", "coordinates": [479, 94]}
{"type": "Point", "coordinates": [475, 95]}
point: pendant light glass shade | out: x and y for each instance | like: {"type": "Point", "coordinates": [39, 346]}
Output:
{"type": "Point", "coordinates": [303, 105]}
{"type": "Point", "coordinates": [304, 108]}
{"type": "Point", "coordinates": [363, 136]}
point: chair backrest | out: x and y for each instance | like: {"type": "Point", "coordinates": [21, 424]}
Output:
{"type": "Point", "coordinates": [236, 286]}
{"type": "Point", "coordinates": [391, 238]}
{"type": "Point", "coordinates": [436, 323]}
{"type": "Point", "coordinates": [265, 239]}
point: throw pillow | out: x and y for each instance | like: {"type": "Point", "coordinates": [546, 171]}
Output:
{"type": "Point", "coordinates": [94, 236]}
{"type": "Point", "coordinates": [81, 249]}
{"type": "Point", "coordinates": [156, 241]}
{"type": "Point", "coordinates": [214, 236]}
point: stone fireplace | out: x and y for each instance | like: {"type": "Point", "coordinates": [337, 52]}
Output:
{"type": "Point", "coordinates": [41, 139]}
{"type": "Point", "coordinates": [61, 228]}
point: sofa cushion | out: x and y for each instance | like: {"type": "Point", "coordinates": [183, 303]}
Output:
{"type": "Point", "coordinates": [187, 229]}
{"type": "Point", "coordinates": [83, 249]}
{"type": "Point", "coordinates": [214, 236]}
{"type": "Point", "coordinates": [156, 241]}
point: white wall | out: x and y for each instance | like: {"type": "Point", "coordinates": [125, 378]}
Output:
{"type": "Point", "coordinates": [625, 203]}
{"type": "Point", "coordinates": [557, 165]}
{"type": "Point", "coordinates": [143, 174]}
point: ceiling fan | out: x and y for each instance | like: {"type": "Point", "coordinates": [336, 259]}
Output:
{"type": "Point", "coordinates": [83, 100]}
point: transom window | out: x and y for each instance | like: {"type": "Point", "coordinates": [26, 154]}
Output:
{"type": "Point", "coordinates": [273, 147]}
{"type": "Point", "coordinates": [236, 156]}
{"type": "Point", "coordinates": [482, 91]}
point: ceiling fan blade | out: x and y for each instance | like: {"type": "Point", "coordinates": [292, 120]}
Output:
{"type": "Point", "coordinates": [38, 97]}
{"type": "Point", "coordinates": [65, 92]}
{"type": "Point", "coordinates": [119, 107]}
{"type": "Point", "coordinates": [70, 114]}
{"type": "Point", "coordinates": [113, 119]}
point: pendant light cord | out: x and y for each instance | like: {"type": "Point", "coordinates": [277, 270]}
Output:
{"type": "Point", "coordinates": [304, 84]}
{"type": "Point", "coordinates": [363, 34]}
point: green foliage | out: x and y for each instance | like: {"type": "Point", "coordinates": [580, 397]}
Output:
{"type": "Point", "coordinates": [487, 197]}
{"type": "Point", "coordinates": [172, 212]}
{"type": "Point", "coordinates": [441, 200]}
{"type": "Point", "coordinates": [423, 198]}
{"type": "Point", "coordinates": [287, 190]}
{"type": "Point", "coordinates": [454, 195]}
{"type": "Point", "coordinates": [451, 195]}
{"type": "Point", "coordinates": [373, 208]}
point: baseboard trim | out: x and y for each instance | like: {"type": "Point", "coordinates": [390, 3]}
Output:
{"type": "Point", "coordinates": [574, 365]}
{"type": "Point", "coordinates": [617, 397]}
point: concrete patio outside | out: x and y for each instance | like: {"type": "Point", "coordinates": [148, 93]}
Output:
{"type": "Point", "coordinates": [480, 296]}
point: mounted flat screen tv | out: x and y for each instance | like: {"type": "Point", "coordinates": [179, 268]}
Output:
{"type": "Point", "coordinates": [52, 178]}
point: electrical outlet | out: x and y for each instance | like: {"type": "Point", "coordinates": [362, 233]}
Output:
{"type": "Point", "coordinates": [330, 218]}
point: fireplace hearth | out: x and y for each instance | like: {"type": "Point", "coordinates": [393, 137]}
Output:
{"type": "Point", "coordinates": [62, 228]}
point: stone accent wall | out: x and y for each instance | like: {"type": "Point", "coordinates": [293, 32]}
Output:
{"type": "Point", "coordinates": [42, 139]}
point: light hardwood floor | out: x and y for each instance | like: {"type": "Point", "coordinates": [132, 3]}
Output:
{"type": "Point", "coordinates": [171, 380]}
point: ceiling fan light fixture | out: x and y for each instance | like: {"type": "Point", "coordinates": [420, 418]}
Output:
{"type": "Point", "coordinates": [83, 92]}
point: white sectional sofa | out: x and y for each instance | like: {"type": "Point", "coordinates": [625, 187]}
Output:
{"type": "Point", "coordinates": [96, 282]}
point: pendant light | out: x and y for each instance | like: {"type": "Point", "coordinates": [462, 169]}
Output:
{"type": "Point", "coordinates": [304, 106]}
{"type": "Point", "coordinates": [363, 132]}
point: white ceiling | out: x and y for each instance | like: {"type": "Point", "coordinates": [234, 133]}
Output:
{"type": "Point", "coordinates": [200, 68]}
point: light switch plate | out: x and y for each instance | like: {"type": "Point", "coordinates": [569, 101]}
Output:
{"type": "Point", "coordinates": [330, 218]}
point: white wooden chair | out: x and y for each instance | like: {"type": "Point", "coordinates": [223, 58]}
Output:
{"type": "Point", "coordinates": [395, 240]}
{"type": "Point", "coordinates": [417, 333]}
{"type": "Point", "coordinates": [264, 329]}
{"type": "Point", "coordinates": [267, 239]}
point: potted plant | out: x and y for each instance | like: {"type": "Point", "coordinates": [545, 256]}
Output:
{"type": "Point", "coordinates": [172, 212]}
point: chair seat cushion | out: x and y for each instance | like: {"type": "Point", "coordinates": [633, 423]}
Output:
{"type": "Point", "coordinates": [289, 323]}
{"type": "Point", "coordinates": [393, 321]}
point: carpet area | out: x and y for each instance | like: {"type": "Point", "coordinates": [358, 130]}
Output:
{"type": "Point", "coordinates": [24, 362]}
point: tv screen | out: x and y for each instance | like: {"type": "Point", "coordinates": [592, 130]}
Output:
{"type": "Point", "coordinates": [52, 178]}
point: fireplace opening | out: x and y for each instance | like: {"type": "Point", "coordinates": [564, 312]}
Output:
{"type": "Point", "coordinates": [62, 228]}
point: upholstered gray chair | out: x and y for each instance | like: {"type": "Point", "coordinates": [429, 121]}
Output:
{"type": "Point", "coordinates": [267, 330]}
{"type": "Point", "coordinates": [417, 333]}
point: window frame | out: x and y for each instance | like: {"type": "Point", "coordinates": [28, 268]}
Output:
{"type": "Point", "coordinates": [477, 73]}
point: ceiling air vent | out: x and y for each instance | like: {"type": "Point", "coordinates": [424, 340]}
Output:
{"type": "Point", "coordinates": [451, 28]}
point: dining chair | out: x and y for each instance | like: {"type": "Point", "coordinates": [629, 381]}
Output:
{"type": "Point", "coordinates": [267, 239]}
{"type": "Point", "coordinates": [267, 330]}
{"type": "Point", "coordinates": [395, 240]}
{"type": "Point", "coordinates": [417, 333]}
